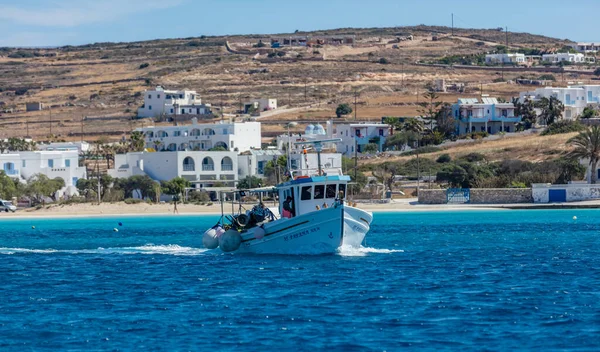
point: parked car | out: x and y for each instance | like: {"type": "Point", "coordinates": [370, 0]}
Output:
{"type": "Point", "coordinates": [7, 206]}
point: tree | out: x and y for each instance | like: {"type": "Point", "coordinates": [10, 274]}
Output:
{"type": "Point", "coordinates": [526, 110]}
{"type": "Point", "coordinates": [273, 169]}
{"type": "Point", "coordinates": [445, 122]}
{"type": "Point", "coordinates": [218, 149]}
{"type": "Point", "coordinates": [597, 71]}
{"type": "Point", "coordinates": [430, 108]}
{"type": "Point", "coordinates": [343, 109]}
{"type": "Point", "coordinates": [136, 141]}
{"type": "Point", "coordinates": [399, 140]}
{"type": "Point", "coordinates": [413, 125]}
{"type": "Point", "coordinates": [8, 188]}
{"type": "Point", "coordinates": [371, 148]}
{"type": "Point", "coordinates": [40, 186]}
{"type": "Point", "coordinates": [552, 109]}
{"type": "Point", "coordinates": [589, 113]}
{"type": "Point", "coordinates": [384, 61]}
{"type": "Point", "coordinates": [250, 182]}
{"type": "Point", "coordinates": [586, 145]}
{"type": "Point", "coordinates": [175, 187]}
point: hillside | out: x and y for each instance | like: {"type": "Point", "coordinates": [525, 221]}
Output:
{"type": "Point", "coordinates": [94, 90]}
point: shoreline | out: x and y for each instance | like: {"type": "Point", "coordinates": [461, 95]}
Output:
{"type": "Point", "coordinates": [120, 209]}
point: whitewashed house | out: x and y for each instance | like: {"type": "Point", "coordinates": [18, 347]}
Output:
{"type": "Point", "coordinates": [353, 136]}
{"type": "Point", "coordinates": [202, 169]}
{"type": "Point", "coordinates": [574, 98]}
{"type": "Point", "coordinates": [489, 116]}
{"type": "Point", "coordinates": [493, 59]}
{"type": "Point", "coordinates": [564, 57]}
{"type": "Point", "coordinates": [586, 47]}
{"type": "Point", "coordinates": [233, 136]}
{"type": "Point", "coordinates": [260, 105]}
{"type": "Point", "coordinates": [63, 164]}
{"type": "Point", "coordinates": [80, 147]}
{"type": "Point", "coordinates": [159, 102]}
{"type": "Point", "coordinates": [253, 163]}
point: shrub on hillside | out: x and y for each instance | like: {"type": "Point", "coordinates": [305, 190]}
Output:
{"type": "Point", "coordinates": [144, 65]}
{"type": "Point", "coordinates": [563, 127]}
{"type": "Point", "coordinates": [444, 158]}
{"type": "Point", "coordinates": [384, 61]}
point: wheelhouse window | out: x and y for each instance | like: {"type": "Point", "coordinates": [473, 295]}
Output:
{"type": "Point", "coordinates": [319, 191]}
{"type": "Point", "coordinates": [330, 192]}
{"type": "Point", "coordinates": [342, 191]}
{"type": "Point", "coordinates": [306, 193]}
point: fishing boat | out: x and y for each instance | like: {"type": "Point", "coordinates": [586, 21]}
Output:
{"type": "Point", "coordinates": [313, 216]}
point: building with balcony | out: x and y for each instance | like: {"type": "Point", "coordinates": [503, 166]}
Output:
{"type": "Point", "coordinates": [63, 164]}
{"type": "Point", "coordinates": [202, 169]}
{"type": "Point", "coordinates": [575, 98]}
{"type": "Point", "coordinates": [234, 136]}
{"type": "Point", "coordinates": [488, 116]}
{"type": "Point", "coordinates": [510, 59]}
{"type": "Point", "coordinates": [353, 136]}
{"type": "Point", "coordinates": [253, 163]}
{"type": "Point", "coordinates": [586, 47]}
{"type": "Point", "coordinates": [80, 147]}
{"type": "Point", "coordinates": [161, 102]}
{"type": "Point", "coordinates": [259, 105]}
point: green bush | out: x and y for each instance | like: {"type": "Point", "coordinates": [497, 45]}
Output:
{"type": "Point", "coordinates": [563, 127]}
{"type": "Point", "coordinates": [444, 158]}
{"type": "Point", "coordinates": [144, 65]}
{"type": "Point", "coordinates": [384, 61]}
{"type": "Point", "coordinates": [547, 77]}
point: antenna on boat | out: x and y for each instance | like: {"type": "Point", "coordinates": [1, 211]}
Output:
{"type": "Point", "coordinates": [319, 147]}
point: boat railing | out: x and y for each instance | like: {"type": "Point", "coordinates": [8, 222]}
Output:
{"type": "Point", "coordinates": [316, 172]}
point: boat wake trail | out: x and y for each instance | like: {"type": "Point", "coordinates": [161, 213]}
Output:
{"type": "Point", "coordinates": [349, 251]}
{"type": "Point", "coordinates": [170, 249]}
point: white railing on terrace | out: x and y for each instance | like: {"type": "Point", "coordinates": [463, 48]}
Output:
{"type": "Point", "coordinates": [227, 167]}
{"type": "Point", "coordinates": [208, 167]}
{"type": "Point", "coordinates": [189, 167]}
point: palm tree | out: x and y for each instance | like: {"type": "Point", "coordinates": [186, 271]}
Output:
{"type": "Point", "coordinates": [552, 110]}
{"type": "Point", "coordinates": [136, 141]}
{"type": "Point", "coordinates": [587, 146]}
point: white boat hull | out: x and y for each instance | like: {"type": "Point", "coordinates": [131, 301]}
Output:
{"type": "Point", "coordinates": [357, 223]}
{"type": "Point", "coordinates": [318, 232]}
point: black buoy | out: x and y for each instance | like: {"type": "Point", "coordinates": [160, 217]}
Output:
{"type": "Point", "coordinates": [120, 224]}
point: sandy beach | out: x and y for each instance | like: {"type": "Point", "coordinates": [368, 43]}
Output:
{"type": "Point", "coordinates": [122, 209]}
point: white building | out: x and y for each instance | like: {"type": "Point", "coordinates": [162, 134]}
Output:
{"type": "Point", "coordinates": [586, 47]}
{"type": "Point", "coordinates": [63, 164]}
{"type": "Point", "coordinates": [575, 98]}
{"type": "Point", "coordinates": [566, 57]}
{"type": "Point", "coordinates": [233, 136]}
{"type": "Point", "coordinates": [80, 147]}
{"type": "Point", "coordinates": [492, 59]}
{"type": "Point", "coordinates": [260, 105]}
{"type": "Point", "coordinates": [202, 169]}
{"type": "Point", "coordinates": [253, 163]}
{"type": "Point", "coordinates": [352, 135]}
{"type": "Point", "coordinates": [160, 102]}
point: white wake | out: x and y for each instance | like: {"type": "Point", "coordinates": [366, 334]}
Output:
{"type": "Point", "coordinates": [350, 251]}
{"type": "Point", "coordinates": [171, 249]}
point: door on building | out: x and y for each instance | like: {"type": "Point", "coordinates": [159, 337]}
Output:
{"type": "Point", "coordinates": [557, 195]}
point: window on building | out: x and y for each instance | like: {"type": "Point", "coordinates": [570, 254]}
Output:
{"type": "Point", "coordinates": [176, 133]}
{"type": "Point", "coordinates": [330, 192]}
{"type": "Point", "coordinates": [319, 191]}
{"type": "Point", "coordinates": [67, 162]}
{"type": "Point", "coordinates": [504, 112]}
{"type": "Point", "coordinates": [23, 163]}
{"type": "Point", "coordinates": [168, 97]}
{"type": "Point", "coordinates": [149, 96]}
{"type": "Point", "coordinates": [381, 131]}
{"type": "Point", "coordinates": [568, 114]}
{"type": "Point", "coordinates": [158, 96]}
{"type": "Point", "coordinates": [180, 96]}
{"type": "Point", "coordinates": [171, 111]}
{"type": "Point", "coordinates": [469, 113]}
{"type": "Point", "coordinates": [306, 193]}
{"type": "Point", "coordinates": [149, 107]}
{"type": "Point", "coordinates": [50, 163]}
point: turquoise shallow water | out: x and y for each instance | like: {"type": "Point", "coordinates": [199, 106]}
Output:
{"type": "Point", "coordinates": [477, 280]}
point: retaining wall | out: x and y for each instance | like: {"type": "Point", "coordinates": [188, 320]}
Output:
{"type": "Point", "coordinates": [481, 196]}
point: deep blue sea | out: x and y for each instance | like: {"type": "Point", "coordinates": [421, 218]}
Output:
{"type": "Point", "coordinates": [476, 280]}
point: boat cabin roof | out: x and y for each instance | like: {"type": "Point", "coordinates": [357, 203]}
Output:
{"type": "Point", "coordinates": [310, 179]}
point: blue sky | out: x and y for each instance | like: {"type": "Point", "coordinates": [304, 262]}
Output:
{"type": "Point", "coordinates": [61, 22]}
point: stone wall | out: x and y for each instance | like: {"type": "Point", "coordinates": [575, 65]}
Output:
{"type": "Point", "coordinates": [480, 196]}
{"type": "Point", "coordinates": [432, 196]}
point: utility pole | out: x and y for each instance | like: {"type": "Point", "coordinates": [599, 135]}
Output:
{"type": "Point", "coordinates": [453, 25]}
{"type": "Point", "coordinates": [222, 112]}
{"type": "Point", "coordinates": [355, 157]}
{"type": "Point", "coordinates": [403, 75]}
{"type": "Point", "coordinates": [355, 103]}
{"type": "Point", "coordinates": [50, 109]}
{"type": "Point", "coordinates": [82, 117]}
{"type": "Point", "coordinates": [305, 92]}
{"type": "Point", "coordinates": [506, 32]}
